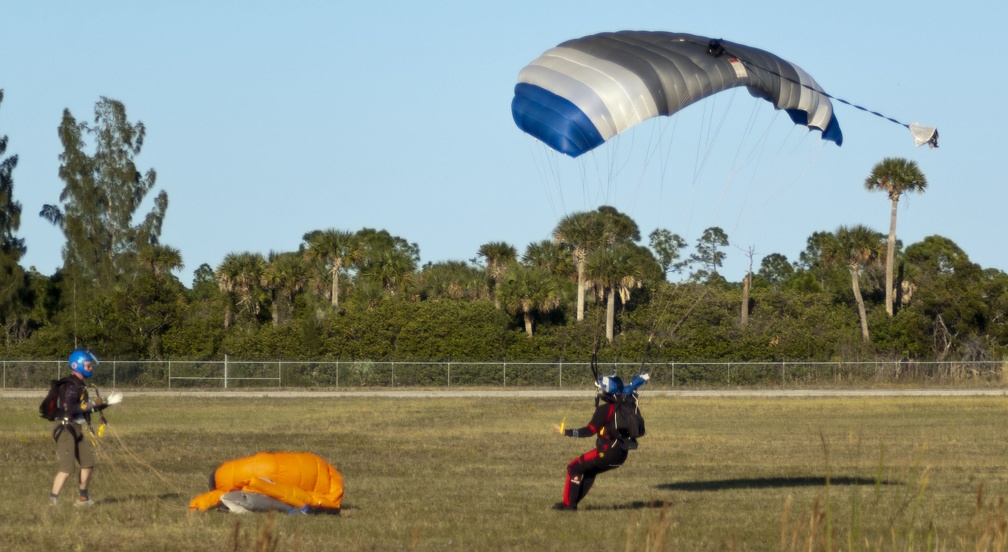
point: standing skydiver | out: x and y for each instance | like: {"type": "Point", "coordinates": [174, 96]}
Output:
{"type": "Point", "coordinates": [616, 424]}
{"type": "Point", "coordinates": [72, 426]}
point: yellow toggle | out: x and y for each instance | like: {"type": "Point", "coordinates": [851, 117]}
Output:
{"type": "Point", "coordinates": [101, 430]}
{"type": "Point", "coordinates": [562, 422]}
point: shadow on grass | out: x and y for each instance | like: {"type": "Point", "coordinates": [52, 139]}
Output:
{"type": "Point", "coordinates": [635, 505]}
{"type": "Point", "coordinates": [768, 483]}
{"type": "Point", "coordinates": [135, 497]}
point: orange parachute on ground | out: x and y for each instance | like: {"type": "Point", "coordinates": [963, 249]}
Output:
{"type": "Point", "coordinates": [271, 481]}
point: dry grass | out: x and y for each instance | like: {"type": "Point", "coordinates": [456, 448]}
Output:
{"type": "Point", "coordinates": [481, 474]}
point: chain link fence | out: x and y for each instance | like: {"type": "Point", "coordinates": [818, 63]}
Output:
{"type": "Point", "coordinates": [240, 374]}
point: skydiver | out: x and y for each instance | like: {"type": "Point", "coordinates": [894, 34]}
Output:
{"type": "Point", "coordinates": [73, 420]}
{"type": "Point", "coordinates": [611, 448]}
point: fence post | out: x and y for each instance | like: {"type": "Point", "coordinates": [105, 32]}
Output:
{"type": "Point", "coordinates": [393, 373]}
{"type": "Point", "coordinates": [505, 373]}
{"type": "Point", "coordinates": [225, 371]}
{"type": "Point", "coordinates": [279, 373]}
{"type": "Point", "coordinates": [449, 373]}
{"type": "Point", "coordinates": [561, 374]}
{"type": "Point", "coordinates": [169, 374]}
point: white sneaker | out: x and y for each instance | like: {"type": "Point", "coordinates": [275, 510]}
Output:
{"type": "Point", "coordinates": [83, 502]}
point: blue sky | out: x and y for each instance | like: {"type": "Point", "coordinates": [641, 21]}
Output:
{"type": "Point", "coordinates": [266, 120]}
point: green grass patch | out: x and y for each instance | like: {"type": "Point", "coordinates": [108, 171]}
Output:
{"type": "Point", "coordinates": [482, 473]}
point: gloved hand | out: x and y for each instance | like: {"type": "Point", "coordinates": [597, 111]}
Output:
{"type": "Point", "coordinates": [115, 398]}
{"type": "Point", "coordinates": [98, 401]}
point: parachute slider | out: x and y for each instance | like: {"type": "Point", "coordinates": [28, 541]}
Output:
{"type": "Point", "coordinates": [924, 135]}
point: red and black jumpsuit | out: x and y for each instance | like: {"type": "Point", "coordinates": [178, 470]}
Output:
{"type": "Point", "coordinates": [607, 454]}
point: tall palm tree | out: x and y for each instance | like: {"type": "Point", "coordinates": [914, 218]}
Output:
{"type": "Point", "coordinates": [894, 176]}
{"type": "Point", "coordinates": [332, 249]}
{"type": "Point", "coordinates": [500, 256]}
{"type": "Point", "coordinates": [854, 247]}
{"type": "Point", "coordinates": [616, 270]}
{"type": "Point", "coordinates": [581, 233]}
{"type": "Point", "coordinates": [528, 291]}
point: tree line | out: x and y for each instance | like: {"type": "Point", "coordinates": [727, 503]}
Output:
{"type": "Point", "coordinates": [597, 286]}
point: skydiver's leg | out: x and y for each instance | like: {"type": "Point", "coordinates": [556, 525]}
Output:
{"type": "Point", "coordinates": [85, 480]}
{"type": "Point", "coordinates": [66, 454]}
{"type": "Point", "coordinates": [86, 458]}
{"type": "Point", "coordinates": [588, 466]}
{"type": "Point", "coordinates": [580, 472]}
{"type": "Point", "coordinates": [586, 483]}
{"type": "Point", "coordinates": [58, 483]}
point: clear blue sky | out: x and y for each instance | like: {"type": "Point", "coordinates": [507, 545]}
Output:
{"type": "Point", "coordinates": [266, 120]}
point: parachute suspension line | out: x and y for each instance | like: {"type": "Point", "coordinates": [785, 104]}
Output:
{"type": "Point", "coordinates": [549, 172]}
{"type": "Point", "coordinates": [135, 471]}
{"type": "Point", "coordinates": [928, 135]}
{"type": "Point", "coordinates": [705, 146]}
{"type": "Point", "coordinates": [753, 157]}
{"type": "Point", "coordinates": [665, 160]}
{"type": "Point", "coordinates": [656, 150]}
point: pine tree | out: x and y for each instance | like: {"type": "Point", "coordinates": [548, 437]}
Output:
{"type": "Point", "coordinates": [101, 196]}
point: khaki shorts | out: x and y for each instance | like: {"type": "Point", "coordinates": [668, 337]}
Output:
{"type": "Point", "coordinates": [72, 445]}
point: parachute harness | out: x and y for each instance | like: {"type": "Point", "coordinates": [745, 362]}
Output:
{"type": "Point", "coordinates": [922, 135]}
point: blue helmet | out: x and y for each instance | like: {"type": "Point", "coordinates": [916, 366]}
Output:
{"type": "Point", "coordinates": [610, 385]}
{"type": "Point", "coordinates": [83, 362]}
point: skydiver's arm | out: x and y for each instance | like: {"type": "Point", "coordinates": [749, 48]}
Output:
{"type": "Point", "coordinates": [593, 427]}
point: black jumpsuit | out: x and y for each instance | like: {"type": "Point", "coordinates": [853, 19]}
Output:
{"type": "Point", "coordinates": [608, 454]}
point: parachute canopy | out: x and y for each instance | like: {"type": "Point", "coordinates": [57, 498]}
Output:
{"type": "Point", "coordinates": [578, 95]}
{"type": "Point", "coordinates": [301, 480]}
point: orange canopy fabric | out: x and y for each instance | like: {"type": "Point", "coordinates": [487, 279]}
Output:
{"type": "Point", "coordinates": [295, 478]}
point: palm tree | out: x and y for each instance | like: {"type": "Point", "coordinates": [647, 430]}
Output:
{"type": "Point", "coordinates": [332, 249]}
{"type": "Point", "coordinates": [527, 291]}
{"type": "Point", "coordinates": [238, 277]}
{"type": "Point", "coordinates": [895, 177]}
{"type": "Point", "coordinates": [854, 247]}
{"type": "Point", "coordinates": [500, 256]}
{"type": "Point", "coordinates": [452, 280]}
{"type": "Point", "coordinates": [615, 270]}
{"type": "Point", "coordinates": [581, 233]}
{"type": "Point", "coordinates": [551, 257]}
{"type": "Point", "coordinates": [284, 276]}
{"type": "Point", "coordinates": [160, 259]}
{"type": "Point", "coordinates": [391, 270]}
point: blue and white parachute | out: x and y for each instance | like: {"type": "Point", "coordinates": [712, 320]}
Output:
{"type": "Point", "coordinates": [585, 91]}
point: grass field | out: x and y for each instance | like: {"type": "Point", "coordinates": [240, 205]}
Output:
{"type": "Point", "coordinates": [914, 473]}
